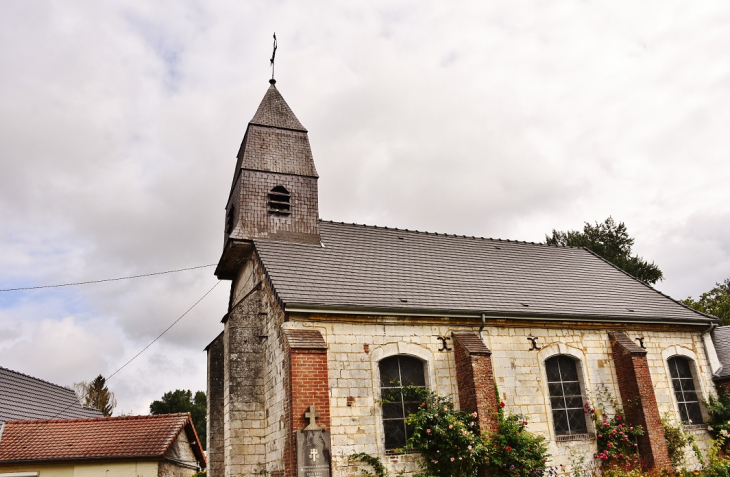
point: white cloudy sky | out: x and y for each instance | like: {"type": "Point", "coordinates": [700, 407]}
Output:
{"type": "Point", "coordinates": [120, 121]}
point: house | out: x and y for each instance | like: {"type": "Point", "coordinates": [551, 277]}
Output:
{"type": "Point", "coordinates": [130, 446]}
{"type": "Point", "coordinates": [324, 316]}
{"type": "Point", "coordinates": [25, 397]}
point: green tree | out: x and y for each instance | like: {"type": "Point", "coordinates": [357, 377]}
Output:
{"type": "Point", "coordinates": [183, 401]}
{"type": "Point", "coordinates": [715, 302]}
{"type": "Point", "coordinates": [610, 241]}
{"type": "Point", "coordinates": [96, 394]}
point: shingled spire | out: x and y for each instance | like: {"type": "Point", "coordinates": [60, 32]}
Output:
{"type": "Point", "coordinates": [274, 192]}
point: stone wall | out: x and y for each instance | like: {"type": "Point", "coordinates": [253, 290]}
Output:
{"type": "Point", "coordinates": [354, 350]}
{"type": "Point", "coordinates": [214, 395]}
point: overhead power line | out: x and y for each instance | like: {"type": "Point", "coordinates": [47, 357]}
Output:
{"type": "Point", "coordinates": [107, 279]}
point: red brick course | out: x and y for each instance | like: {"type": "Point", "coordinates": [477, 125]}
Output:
{"type": "Point", "coordinates": [475, 379]}
{"type": "Point", "coordinates": [639, 400]}
{"type": "Point", "coordinates": [307, 384]}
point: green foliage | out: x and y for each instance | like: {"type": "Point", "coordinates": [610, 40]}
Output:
{"type": "Point", "coordinates": [676, 440]}
{"type": "Point", "coordinates": [96, 394]}
{"type": "Point", "coordinates": [718, 409]}
{"type": "Point", "coordinates": [374, 462]}
{"type": "Point", "coordinates": [616, 438]}
{"type": "Point", "coordinates": [452, 444]}
{"type": "Point", "coordinates": [715, 302]}
{"type": "Point", "coordinates": [183, 401]}
{"type": "Point", "coordinates": [202, 473]}
{"type": "Point", "coordinates": [449, 440]}
{"type": "Point", "coordinates": [515, 451]}
{"type": "Point", "coordinates": [610, 241]}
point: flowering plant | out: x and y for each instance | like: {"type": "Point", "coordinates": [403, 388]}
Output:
{"type": "Point", "coordinates": [616, 438]}
{"type": "Point", "coordinates": [513, 451]}
{"type": "Point", "coordinates": [449, 440]}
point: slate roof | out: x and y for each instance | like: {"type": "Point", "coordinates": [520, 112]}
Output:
{"type": "Point", "coordinates": [25, 397]}
{"type": "Point", "coordinates": [721, 340]}
{"type": "Point", "coordinates": [373, 268]}
{"type": "Point", "coordinates": [106, 438]}
{"type": "Point", "coordinates": [274, 112]}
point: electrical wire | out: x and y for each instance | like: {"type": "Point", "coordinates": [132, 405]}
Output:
{"type": "Point", "coordinates": [107, 279]}
{"type": "Point", "coordinates": [78, 401]}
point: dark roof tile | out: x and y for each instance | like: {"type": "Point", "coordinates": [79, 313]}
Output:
{"type": "Point", "coordinates": [369, 267]}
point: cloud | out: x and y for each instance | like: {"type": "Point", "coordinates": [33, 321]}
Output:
{"type": "Point", "coordinates": [120, 121]}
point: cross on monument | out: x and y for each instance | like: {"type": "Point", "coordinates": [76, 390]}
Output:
{"type": "Point", "coordinates": [312, 415]}
{"type": "Point", "coordinates": [313, 454]}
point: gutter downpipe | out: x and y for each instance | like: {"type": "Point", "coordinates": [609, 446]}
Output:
{"type": "Point", "coordinates": [710, 329]}
{"type": "Point", "coordinates": [484, 319]}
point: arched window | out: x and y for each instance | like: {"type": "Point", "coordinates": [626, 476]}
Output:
{"type": "Point", "coordinates": [279, 201]}
{"type": "Point", "coordinates": [395, 372]}
{"type": "Point", "coordinates": [684, 390]}
{"type": "Point", "coordinates": [566, 398]}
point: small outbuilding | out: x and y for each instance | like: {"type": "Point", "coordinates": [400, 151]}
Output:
{"type": "Point", "coordinates": [128, 446]}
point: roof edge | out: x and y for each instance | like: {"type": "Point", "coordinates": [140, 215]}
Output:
{"type": "Point", "coordinates": [400, 311]}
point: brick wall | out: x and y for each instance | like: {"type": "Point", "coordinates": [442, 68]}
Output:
{"type": "Point", "coordinates": [475, 379]}
{"type": "Point", "coordinates": [214, 395]}
{"type": "Point", "coordinates": [307, 385]}
{"type": "Point", "coordinates": [637, 395]}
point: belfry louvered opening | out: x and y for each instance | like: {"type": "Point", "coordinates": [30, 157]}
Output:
{"type": "Point", "coordinates": [279, 201]}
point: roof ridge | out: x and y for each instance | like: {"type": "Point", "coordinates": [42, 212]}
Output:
{"type": "Point", "coordinates": [473, 237]}
{"type": "Point", "coordinates": [41, 380]}
{"type": "Point", "coordinates": [139, 417]}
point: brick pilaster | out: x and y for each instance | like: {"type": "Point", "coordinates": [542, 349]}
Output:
{"type": "Point", "coordinates": [307, 384]}
{"type": "Point", "coordinates": [475, 379]}
{"type": "Point", "coordinates": [639, 400]}
{"type": "Point", "coordinates": [214, 421]}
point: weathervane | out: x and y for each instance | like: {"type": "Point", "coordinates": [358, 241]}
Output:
{"type": "Point", "coordinates": [273, 56]}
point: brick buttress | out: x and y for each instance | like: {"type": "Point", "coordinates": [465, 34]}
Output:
{"type": "Point", "coordinates": [639, 400]}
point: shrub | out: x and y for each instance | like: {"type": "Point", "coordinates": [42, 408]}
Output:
{"type": "Point", "coordinates": [718, 409]}
{"type": "Point", "coordinates": [615, 437]}
{"type": "Point", "coordinates": [513, 450]}
{"type": "Point", "coordinates": [677, 440]}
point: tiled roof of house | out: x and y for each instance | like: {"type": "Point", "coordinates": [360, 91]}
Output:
{"type": "Point", "coordinates": [25, 397]}
{"type": "Point", "coordinates": [721, 340]}
{"type": "Point", "coordinates": [389, 270]}
{"type": "Point", "coordinates": [109, 438]}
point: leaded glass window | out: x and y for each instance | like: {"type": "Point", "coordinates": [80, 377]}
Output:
{"type": "Point", "coordinates": [566, 398]}
{"type": "Point", "coordinates": [395, 372]}
{"type": "Point", "coordinates": [684, 390]}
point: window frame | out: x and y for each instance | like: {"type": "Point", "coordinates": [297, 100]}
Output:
{"type": "Point", "coordinates": [418, 364]}
{"type": "Point", "coordinates": [380, 352]}
{"type": "Point", "coordinates": [557, 358]}
{"type": "Point", "coordinates": [697, 389]}
{"type": "Point", "coordinates": [699, 383]}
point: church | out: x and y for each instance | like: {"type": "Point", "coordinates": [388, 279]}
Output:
{"type": "Point", "coordinates": [323, 317]}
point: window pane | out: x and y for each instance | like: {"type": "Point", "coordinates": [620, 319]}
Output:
{"type": "Point", "coordinates": [389, 375]}
{"type": "Point", "coordinates": [395, 435]}
{"type": "Point", "coordinates": [393, 411]}
{"type": "Point", "coordinates": [552, 370]}
{"type": "Point", "coordinates": [560, 420]}
{"type": "Point", "coordinates": [694, 412]}
{"type": "Point", "coordinates": [411, 371]}
{"type": "Point", "coordinates": [577, 421]}
{"type": "Point", "coordinates": [567, 369]}
{"type": "Point", "coordinates": [571, 389]}
{"type": "Point", "coordinates": [574, 403]}
{"type": "Point", "coordinates": [555, 389]}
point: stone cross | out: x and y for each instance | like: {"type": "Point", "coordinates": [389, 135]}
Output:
{"type": "Point", "coordinates": [312, 415]}
{"type": "Point", "coordinates": [313, 454]}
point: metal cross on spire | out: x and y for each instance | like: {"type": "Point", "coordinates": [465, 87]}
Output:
{"type": "Point", "coordinates": [273, 57]}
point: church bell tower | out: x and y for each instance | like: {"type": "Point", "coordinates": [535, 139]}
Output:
{"type": "Point", "coordinates": [274, 192]}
